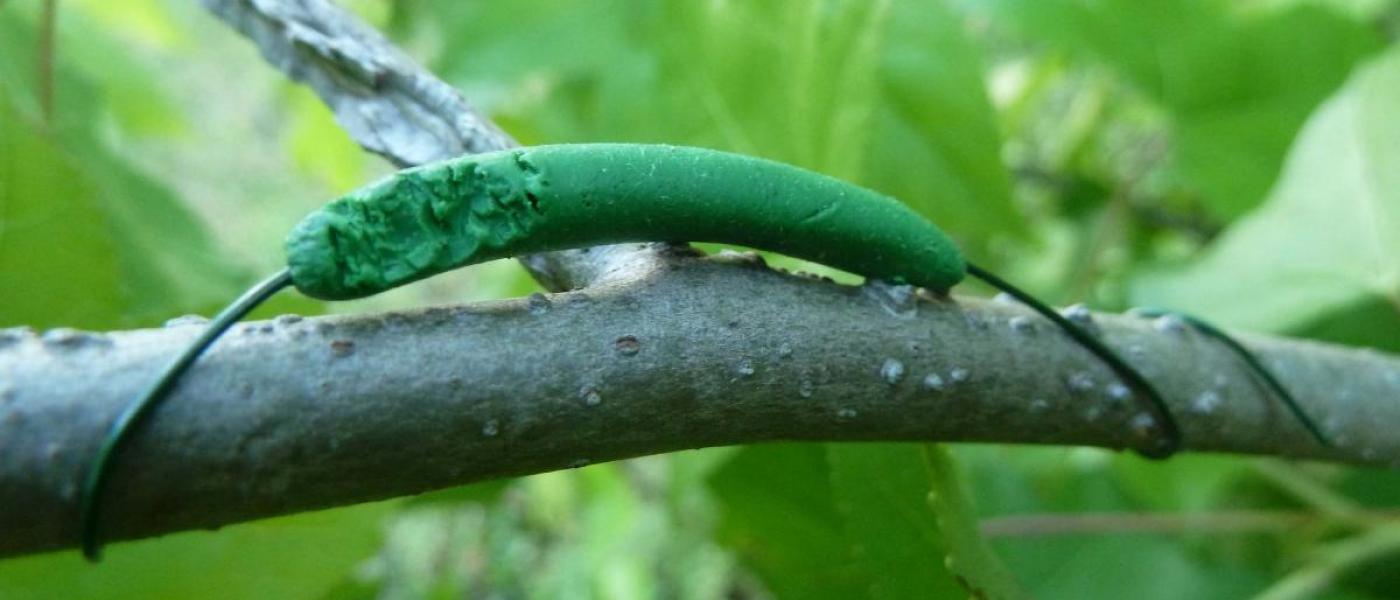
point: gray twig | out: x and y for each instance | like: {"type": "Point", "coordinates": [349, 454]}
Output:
{"type": "Point", "coordinates": [297, 414]}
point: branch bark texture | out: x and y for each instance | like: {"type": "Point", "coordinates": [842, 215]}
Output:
{"type": "Point", "coordinates": [296, 414]}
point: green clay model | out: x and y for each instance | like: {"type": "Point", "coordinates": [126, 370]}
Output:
{"type": "Point", "coordinates": [437, 217]}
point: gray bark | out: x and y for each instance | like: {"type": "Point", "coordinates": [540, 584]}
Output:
{"type": "Point", "coordinates": [297, 414]}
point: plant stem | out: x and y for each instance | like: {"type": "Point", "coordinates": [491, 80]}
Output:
{"type": "Point", "coordinates": [294, 415]}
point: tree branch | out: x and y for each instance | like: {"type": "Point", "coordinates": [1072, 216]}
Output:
{"type": "Point", "coordinates": [395, 108]}
{"type": "Point", "coordinates": [297, 414]}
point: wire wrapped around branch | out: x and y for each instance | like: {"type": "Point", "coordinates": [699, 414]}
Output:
{"type": "Point", "coordinates": [297, 414]}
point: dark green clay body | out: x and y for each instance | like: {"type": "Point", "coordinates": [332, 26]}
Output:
{"type": "Point", "coordinates": [438, 217]}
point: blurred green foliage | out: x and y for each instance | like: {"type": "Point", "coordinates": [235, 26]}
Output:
{"type": "Point", "coordinates": [887, 94]}
{"type": "Point", "coordinates": [1232, 158]}
{"type": "Point", "coordinates": [1235, 82]}
{"type": "Point", "coordinates": [87, 239]}
{"type": "Point", "coordinates": [1343, 158]}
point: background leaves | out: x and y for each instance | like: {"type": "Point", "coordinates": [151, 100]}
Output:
{"type": "Point", "coordinates": [89, 240]}
{"type": "Point", "coordinates": [1236, 82]}
{"type": "Point", "coordinates": [1334, 215]}
{"type": "Point", "coordinates": [866, 91]}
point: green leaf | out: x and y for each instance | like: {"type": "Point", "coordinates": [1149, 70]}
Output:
{"type": "Point", "coordinates": [936, 145]}
{"type": "Point", "coordinates": [484, 492]}
{"type": "Point", "coordinates": [779, 517]}
{"type": "Point", "coordinates": [58, 262]}
{"type": "Point", "coordinates": [977, 567]}
{"type": "Point", "coordinates": [1329, 235]}
{"type": "Point", "coordinates": [1370, 322]}
{"type": "Point", "coordinates": [854, 521]}
{"type": "Point", "coordinates": [86, 239]}
{"type": "Point", "coordinates": [300, 556]}
{"type": "Point", "coordinates": [1237, 84]}
{"type": "Point", "coordinates": [882, 491]}
{"type": "Point", "coordinates": [96, 41]}
{"type": "Point", "coordinates": [320, 146]}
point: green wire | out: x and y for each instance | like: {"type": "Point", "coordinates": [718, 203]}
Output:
{"type": "Point", "coordinates": [138, 412]}
{"type": "Point", "coordinates": [1171, 432]}
{"type": "Point", "coordinates": [1252, 362]}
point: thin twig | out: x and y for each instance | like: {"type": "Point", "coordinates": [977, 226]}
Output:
{"type": "Point", "coordinates": [1215, 522]}
{"type": "Point", "coordinates": [1307, 489]}
{"type": "Point", "coordinates": [1333, 563]}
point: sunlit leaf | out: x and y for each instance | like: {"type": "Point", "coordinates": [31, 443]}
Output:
{"type": "Point", "coordinates": [1329, 235]}
{"type": "Point", "coordinates": [143, 22]}
{"type": "Point", "coordinates": [881, 491]}
{"type": "Point", "coordinates": [319, 145]}
{"type": "Point", "coordinates": [58, 261]}
{"type": "Point", "coordinates": [778, 514]}
{"type": "Point", "coordinates": [86, 239]}
{"type": "Point", "coordinates": [96, 43]}
{"type": "Point", "coordinates": [970, 557]}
